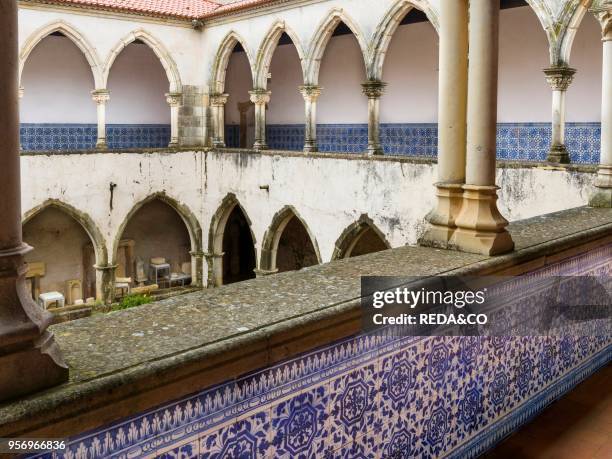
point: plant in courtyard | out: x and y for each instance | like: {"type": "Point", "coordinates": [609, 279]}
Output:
{"type": "Point", "coordinates": [131, 301]}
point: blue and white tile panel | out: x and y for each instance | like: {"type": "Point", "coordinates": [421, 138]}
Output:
{"type": "Point", "coordinates": [371, 396]}
{"type": "Point", "coordinates": [515, 141]}
{"type": "Point", "coordinates": [64, 137]}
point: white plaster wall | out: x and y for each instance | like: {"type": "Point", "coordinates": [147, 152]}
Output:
{"type": "Point", "coordinates": [104, 31]}
{"type": "Point", "coordinates": [286, 104]}
{"type": "Point", "coordinates": [395, 194]}
{"type": "Point", "coordinates": [138, 84]}
{"type": "Point", "coordinates": [237, 84]}
{"type": "Point", "coordinates": [584, 95]}
{"type": "Point", "coordinates": [57, 83]}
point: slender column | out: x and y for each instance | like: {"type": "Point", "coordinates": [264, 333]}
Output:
{"type": "Point", "coordinates": [559, 79]}
{"type": "Point", "coordinates": [174, 100]}
{"type": "Point", "coordinates": [214, 263]}
{"type": "Point", "coordinates": [260, 97]}
{"type": "Point", "coordinates": [105, 283]}
{"type": "Point", "coordinates": [452, 103]}
{"type": "Point", "coordinates": [374, 90]}
{"type": "Point", "coordinates": [217, 102]}
{"type": "Point", "coordinates": [197, 267]}
{"type": "Point", "coordinates": [100, 97]}
{"type": "Point", "coordinates": [30, 360]}
{"type": "Point", "coordinates": [480, 226]}
{"type": "Point", "coordinates": [602, 194]}
{"type": "Point", "coordinates": [310, 93]}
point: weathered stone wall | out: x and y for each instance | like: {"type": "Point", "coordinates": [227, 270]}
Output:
{"type": "Point", "coordinates": [328, 192]}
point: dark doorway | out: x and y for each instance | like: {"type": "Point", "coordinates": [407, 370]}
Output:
{"type": "Point", "coordinates": [238, 249]}
{"type": "Point", "coordinates": [295, 248]}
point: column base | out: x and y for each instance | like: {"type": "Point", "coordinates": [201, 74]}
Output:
{"type": "Point", "coordinates": [260, 146]}
{"type": "Point", "coordinates": [101, 145]}
{"type": "Point", "coordinates": [173, 144]}
{"type": "Point", "coordinates": [105, 283]}
{"type": "Point", "coordinates": [310, 147]}
{"type": "Point", "coordinates": [218, 143]}
{"type": "Point", "coordinates": [29, 357]}
{"type": "Point", "coordinates": [558, 154]}
{"type": "Point", "coordinates": [442, 218]}
{"type": "Point", "coordinates": [602, 192]}
{"type": "Point", "coordinates": [264, 272]}
{"type": "Point", "coordinates": [375, 150]}
{"type": "Point", "coordinates": [480, 227]}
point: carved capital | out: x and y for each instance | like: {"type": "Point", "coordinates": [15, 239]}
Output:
{"type": "Point", "coordinates": [100, 96]}
{"type": "Point", "coordinates": [310, 92]}
{"type": "Point", "coordinates": [260, 96]}
{"type": "Point", "coordinates": [218, 100]}
{"type": "Point", "coordinates": [174, 98]}
{"type": "Point", "coordinates": [559, 78]}
{"type": "Point", "coordinates": [603, 13]}
{"type": "Point", "coordinates": [373, 88]}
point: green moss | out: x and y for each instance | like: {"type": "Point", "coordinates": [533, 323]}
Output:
{"type": "Point", "coordinates": [132, 300]}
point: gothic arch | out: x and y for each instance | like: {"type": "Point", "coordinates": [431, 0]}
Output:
{"type": "Point", "coordinates": [572, 19]}
{"type": "Point", "coordinates": [267, 49]}
{"type": "Point", "coordinates": [222, 60]}
{"type": "Point", "coordinates": [160, 51]}
{"type": "Point", "coordinates": [219, 219]}
{"type": "Point", "coordinates": [351, 235]}
{"type": "Point", "coordinates": [82, 218]}
{"type": "Point", "coordinates": [72, 34]}
{"type": "Point", "coordinates": [387, 27]}
{"type": "Point", "coordinates": [275, 231]}
{"type": "Point", "coordinates": [189, 219]}
{"type": "Point", "coordinates": [321, 38]}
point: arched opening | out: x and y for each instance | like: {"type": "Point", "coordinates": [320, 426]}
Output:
{"type": "Point", "coordinates": [584, 96]}
{"type": "Point", "coordinates": [63, 258]}
{"type": "Point", "coordinates": [239, 110]}
{"type": "Point", "coordinates": [295, 248]}
{"type": "Point", "coordinates": [154, 248]}
{"type": "Point", "coordinates": [138, 115]}
{"type": "Point", "coordinates": [342, 111]}
{"type": "Point", "coordinates": [56, 110]}
{"type": "Point", "coordinates": [524, 96]}
{"type": "Point", "coordinates": [285, 117]}
{"type": "Point", "coordinates": [361, 238]}
{"type": "Point", "coordinates": [238, 248]}
{"type": "Point", "coordinates": [409, 106]}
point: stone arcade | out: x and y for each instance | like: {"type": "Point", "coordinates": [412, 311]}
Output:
{"type": "Point", "coordinates": [304, 143]}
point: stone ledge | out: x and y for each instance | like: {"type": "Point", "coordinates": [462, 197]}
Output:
{"type": "Point", "coordinates": [133, 360]}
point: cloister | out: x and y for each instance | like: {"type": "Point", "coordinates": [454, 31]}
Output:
{"type": "Point", "coordinates": [238, 140]}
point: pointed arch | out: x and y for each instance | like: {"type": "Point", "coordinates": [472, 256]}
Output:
{"type": "Point", "coordinates": [72, 34]}
{"type": "Point", "coordinates": [82, 218]}
{"type": "Point", "coordinates": [222, 60]}
{"type": "Point", "coordinates": [189, 219]}
{"type": "Point", "coordinates": [267, 49]}
{"type": "Point", "coordinates": [567, 34]}
{"type": "Point", "coordinates": [273, 235]}
{"type": "Point", "coordinates": [156, 46]}
{"type": "Point", "coordinates": [321, 38]}
{"type": "Point", "coordinates": [386, 29]}
{"type": "Point", "coordinates": [219, 219]}
{"type": "Point", "coordinates": [353, 233]}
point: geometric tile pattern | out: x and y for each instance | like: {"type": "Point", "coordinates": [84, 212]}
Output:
{"type": "Point", "coordinates": [63, 137]}
{"type": "Point", "coordinates": [371, 395]}
{"type": "Point", "coordinates": [515, 141]}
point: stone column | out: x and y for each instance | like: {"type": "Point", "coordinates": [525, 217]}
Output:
{"type": "Point", "coordinates": [105, 283]}
{"type": "Point", "coordinates": [480, 226]}
{"type": "Point", "coordinates": [602, 194]}
{"type": "Point", "coordinates": [264, 272]}
{"type": "Point", "coordinates": [260, 97]}
{"type": "Point", "coordinates": [452, 102]}
{"type": "Point", "coordinates": [214, 262]}
{"type": "Point", "coordinates": [310, 93]}
{"type": "Point", "coordinates": [559, 79]}
{"type": "Point", "coordinates": [174, 100]}
{"type": "Point", "coordinates": [197, 267]}
{"type": "Point", "coordinates": [217, 102]}
{"type": "Point", "coordinates": [100, 97]}
{"type": "Point", "coordinates": [30, 360]}
{"type": "Point", "coordinates": [373, 90]}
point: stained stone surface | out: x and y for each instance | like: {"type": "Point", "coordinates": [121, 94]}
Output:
{"type": "Point", "coordinates": [107, 343]}
{"type": "Point", "coordinates": [102, 348]}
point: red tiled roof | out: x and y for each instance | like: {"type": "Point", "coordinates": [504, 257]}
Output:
{"type": "Point", "coordinates": [185, 9]}
{"type": "Point", "coordinates": [236, 6]}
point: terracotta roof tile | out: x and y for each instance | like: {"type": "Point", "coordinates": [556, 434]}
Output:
{"type": "Point", "coordinates": [188, 9]}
